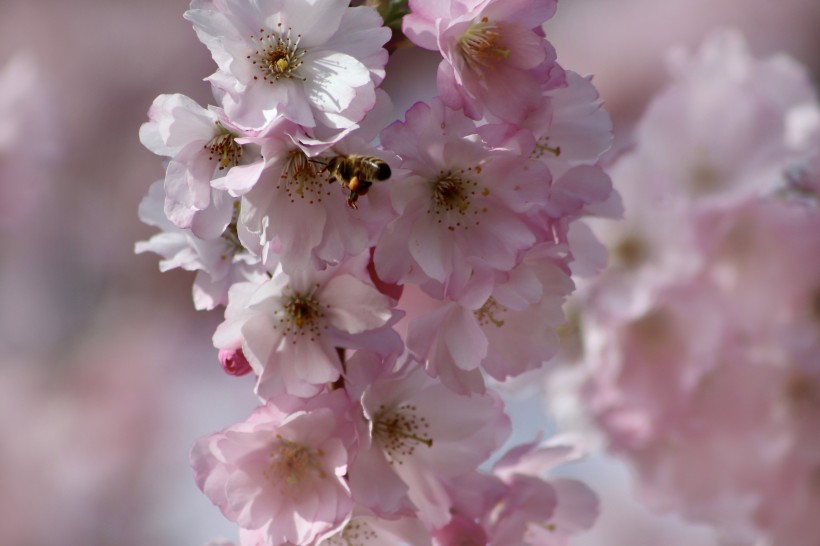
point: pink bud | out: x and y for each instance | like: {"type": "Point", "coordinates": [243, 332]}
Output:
{"type": "Point", "coordinates": [234, 362]}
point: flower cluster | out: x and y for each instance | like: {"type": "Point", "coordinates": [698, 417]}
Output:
{"type": "Point", "coordinates": [700, 341]}
{"type": "Point", "coordinates": [373, 274]}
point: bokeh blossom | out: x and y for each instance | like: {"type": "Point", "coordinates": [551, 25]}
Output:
{"type": "Point", "coordinates": [695, 341]}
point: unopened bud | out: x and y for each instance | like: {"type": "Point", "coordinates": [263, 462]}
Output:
{"type": "Point", "coordinates": [234, 362]}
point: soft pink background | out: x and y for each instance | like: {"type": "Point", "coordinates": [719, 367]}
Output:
{"type": "Point", "coordinates": [107, 374]}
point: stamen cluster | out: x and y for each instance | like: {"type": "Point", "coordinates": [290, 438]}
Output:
{"type": "Point", "coordinates": [278, 55]}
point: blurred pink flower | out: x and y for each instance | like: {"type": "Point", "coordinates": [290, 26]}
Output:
{"type": "Point", "coordinates": [700, 342]}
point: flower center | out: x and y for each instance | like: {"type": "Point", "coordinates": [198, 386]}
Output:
{"type": "Point", "coordinates": [705, 179]}
{"type": "Point", "coordinates": [277, 55]}
{"type": "Point", "coordinates": [300, 179]}
{"type": "Point", "coordinates": [355, 533]}
{"type": "Point", "coordinates": [400, 430]}
{"type": "Point", "coordinates": [303, 316]}
{"type": "Point", "coordinates": [452, 195]}
{"type": "Point", "coordinates": [482, 45]}
{"type": "Point", "coordinates": [489, 313]}
{"type": "Point", "coordinates": [802, 391]}
{"type": "Point", "coordinates": [630, 252]}
{"type": "Point", "coordinates": [293, 467]}
{"type": "Point", "coordinates": [224, 148]}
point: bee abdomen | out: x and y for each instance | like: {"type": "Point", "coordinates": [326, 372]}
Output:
{"type": "Point", "coordinates": [382, 170]}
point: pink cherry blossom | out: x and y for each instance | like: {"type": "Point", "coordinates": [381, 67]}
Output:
{"type": "Point", "coordinates": [518, 503]}
{"type": "Point", "coordinates": [279, 474]}
{"type": "Point", "coordinates": [493, 52]}
{"type": "Point", "coordinates": [509, 332]}
{"type": "Point", "coordinates": [315, 63]}
{"type": "Point", "coordinates": [422, 432]}
{"type": "Point", "coordinates": [219, 262]}
{"type": "Point", "coordinates": [291, 325]}
{"type": "Point", "coordinates": [580, 130]}
{"type": "Point", "coordinates": [576, 505]}
{"type": "Point", "coordinates": [206, 153]}
{"type": "Point", "coordinates": [461, 205]}
{"type": "Point", "coordinates": [299, 212]}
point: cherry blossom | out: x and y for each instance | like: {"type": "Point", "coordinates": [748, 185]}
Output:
{"type": "Point", "coordinates": [518, 504]}
{"type": "Point", "coordinates": [203, 146]}
{"type": "Point", "coordinates": [297, 210]}
{"type": "Point", "coordinates": [421, 432]}
{"type": "Point", "coordinates": [290, 325]}
{"type": "Point", "coordinates": [315, 63]}
{"type": "Point", "coordinates": [219, 262]}
{"type": "Point", "coordinates": [461, 206]}
{"type": "Point", "coordinates": [280, 474]}
{"type": "Point", "coordinates": [509, 332]}
{"type": "Point", "coordinates": [493, 52]}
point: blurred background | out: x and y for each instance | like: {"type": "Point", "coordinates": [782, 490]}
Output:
{"type": "Point", "coordinates": [107, 374]}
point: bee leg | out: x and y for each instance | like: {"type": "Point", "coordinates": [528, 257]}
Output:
{"type": "Point", "coordinates": [352, 197]}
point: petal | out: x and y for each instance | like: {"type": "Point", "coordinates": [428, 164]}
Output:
{"type": "Point", "coordinates": [354, 306]}
{"type": "Point", "coordinates": [332, 79]}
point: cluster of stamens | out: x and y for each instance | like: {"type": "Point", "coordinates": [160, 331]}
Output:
{"type": "Point", "coordinates": [451, 197]}
{"type": "Point", "coordinates": [489, 312]}
{"type": "Point", "coordinates": [482, 45]}
{"type": "Point", "coordinates": [224, 148]}
{"type": "Point", "coordinates": [400, 430]}
{"type": "Point", "coordinates": [301, 179]}
{"type": "Point", "coordinates": [277, 55]}
{"type": "Point", "coordinates": [542, 147]}
{"type": "Point", "coordinates": [293, 467]}
{"type": "Point", "coordinates": [302, 316]}
{"type": "Point", "coordinates": [355, 533]}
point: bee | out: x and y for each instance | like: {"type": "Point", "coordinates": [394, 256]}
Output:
{"type": "Point", "coordinates": [356, 173]}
